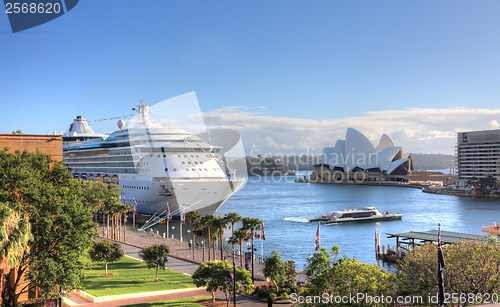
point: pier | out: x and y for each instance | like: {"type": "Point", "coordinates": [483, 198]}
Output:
{"type": "Point", "coordinates": [407, 240]}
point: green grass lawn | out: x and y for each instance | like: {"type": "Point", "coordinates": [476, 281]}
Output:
{"type": "Point", "coordinates": [184, 302]}
{"type": "Point", "coordinates": [131, 276]}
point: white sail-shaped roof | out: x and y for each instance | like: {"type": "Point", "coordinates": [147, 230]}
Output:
{"type": "Point", "coordinates": [359, 151]}
{"type": "Point", "coordinates": [387, 155]}
{"type": "Point", "coordinates": [385, 142]}
{"type": "Point", "coordinates": [396, 164]}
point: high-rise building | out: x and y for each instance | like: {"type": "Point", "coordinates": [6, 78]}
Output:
{"type": "Point", "coordinates": [478, 154]}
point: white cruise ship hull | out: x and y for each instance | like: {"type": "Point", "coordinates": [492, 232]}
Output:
{"type": "Point", "coordinates": [204, 195]}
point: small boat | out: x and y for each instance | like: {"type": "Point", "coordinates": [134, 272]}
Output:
{"type": "Point", "coordinates": [105, 178]}
{"type": "Point", "coordinates": [492, 230]}
{"type": "Point", "coordinates": [98, 177]}
{"type": "Point", "coordinates": [365, 214]}
{"type": "Point", "coordinates": [91, 177]}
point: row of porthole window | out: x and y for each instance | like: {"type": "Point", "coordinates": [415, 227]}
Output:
{"type": "Point", "coordinates": [135, 187]}
{"type": "Point", "coordinates": [193, 169]}
{"type": "Point", "coordinates": [195, 162]}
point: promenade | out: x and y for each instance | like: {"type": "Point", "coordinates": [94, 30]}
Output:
{"type": "Point", "coordinates": [182, 250]}
{"type": "Point", "coordinates": [180, 260]}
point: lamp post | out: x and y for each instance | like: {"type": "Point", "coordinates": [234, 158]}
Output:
{"type": "Point", "coordinates": [173, 227]}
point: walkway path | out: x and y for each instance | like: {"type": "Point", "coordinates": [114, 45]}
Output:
{"type": "Point", "coordinates": [181, 249]}
{"type": "Point", "coordinates": [180, 260]}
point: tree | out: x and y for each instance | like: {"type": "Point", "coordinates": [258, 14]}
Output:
{"type": "Point", "coordinates": [100, 195]}
{"type": "Point", "coordinates": [291, 272]}
{"type": "Point", "coordinates": [15, 234]}
{"type": "Point", "coordinates": [242, 236]}
{"type": "Point", "coordinates": [275, 269]}
{"type": "Point", "coordinates": [350, 276]}
{"type": "Point", "coordinates": [206, 223]}
{"type": "Point", "coordinates": [471, 267]}
{"type": "Point", "coordinates": [218, 226]}
{"type": "Point", "coordinates": [61, 222]}
{"type": "Point", "coordinates": [215, 275]}
{"type": "Point", "coordinates": [155, 256]}
{"type": "Point", "coordinates": [19, 131]}
{"type": "Point", "coordinates": [321, 261]}
{"type": "Point", "coordinates": [106, 251]}
{"type": "Point", "coordinates": [193, 217]}
{"type": "Point", "coordinates": [233, 218]}
{"type": "Point", "coordinates": [252, 224]}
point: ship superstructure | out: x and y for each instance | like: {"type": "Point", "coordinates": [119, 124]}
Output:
{"type": "Point", "coordinates": [154, 164]}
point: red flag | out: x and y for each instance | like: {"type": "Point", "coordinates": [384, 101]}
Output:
{"type": "Point", "coordinates": [316, 242]}
{"type": "Point", "coordinates": [263, 234]}
{"type": "Point", "coordinates": [169, 216]}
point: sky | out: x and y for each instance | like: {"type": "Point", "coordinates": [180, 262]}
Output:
{"type": "Point", "coordinates": [290, 75]}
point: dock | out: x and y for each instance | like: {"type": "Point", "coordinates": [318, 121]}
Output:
{"type": "Point", "coordinates": [407, 240]}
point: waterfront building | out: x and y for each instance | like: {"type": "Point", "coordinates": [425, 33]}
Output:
{"type": "Point", "coordinates": [49, 144]}
{"type": "Point", "coordinates": [478, 154]}
{"type": "Point", "coordinates": [355, 158]}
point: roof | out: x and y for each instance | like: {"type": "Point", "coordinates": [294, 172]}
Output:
{"type": "Point", "coordinates": [431, 235]}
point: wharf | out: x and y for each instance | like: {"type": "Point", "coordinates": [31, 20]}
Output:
{"type": "Point", "coordinates": [407, 240]}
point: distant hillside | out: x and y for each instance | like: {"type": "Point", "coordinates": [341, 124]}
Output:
{"type": "Point", "coordinates": [433, 161]}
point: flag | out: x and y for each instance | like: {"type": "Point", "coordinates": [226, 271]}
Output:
{"type": "Point", "coordinates": [232, 276]}
{"type": "Point", "coordinates": [441, 265]}
{"type": "Point", "coordinates": [135, 205]}
{"type": "Point", "coordinates": [262, 233]}
{"type": "Point", "coordinates": [169, 216]}
{"type": "Point", "coordinates": [316, 242]}
{"type": "Point", "coordinates": [183, 217]}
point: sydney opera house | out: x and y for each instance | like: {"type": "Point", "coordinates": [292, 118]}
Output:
{"type": "Point", "coordinates": [355, 158]}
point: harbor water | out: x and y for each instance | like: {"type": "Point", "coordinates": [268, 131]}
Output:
{"type": "Point", "coordinates": [285, 206]}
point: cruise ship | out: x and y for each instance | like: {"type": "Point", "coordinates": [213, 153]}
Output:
{"type": "Point", "coordinates": [155, 165]}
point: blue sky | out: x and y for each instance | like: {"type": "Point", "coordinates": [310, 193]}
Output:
{"type": "Point", "coordinates": [303, 60]}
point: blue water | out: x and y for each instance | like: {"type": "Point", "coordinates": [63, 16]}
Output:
{"type": "Point", "coordinates": [275, 199]}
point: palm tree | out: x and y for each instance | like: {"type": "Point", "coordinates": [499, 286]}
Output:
{"type": "Point", "coordinates": [201, 231]}
{"type": "Point", "coordinates": [193, 217]}
{"type": "Point", "coordinates": [233, 218]}
{"type": "Point", "coordinates": [206, 222]}
{"type": "Point", "coordinates": [15, 234]}
{"type": "Point", "coordinates": [242, 236]}
{"type": "Point", "coordinates": [218, 225]}
{"type": "Point", "coordinates": [252, 224]}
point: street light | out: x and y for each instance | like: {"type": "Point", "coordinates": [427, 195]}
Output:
{"type": "Point", "coordinates": [173, 227]}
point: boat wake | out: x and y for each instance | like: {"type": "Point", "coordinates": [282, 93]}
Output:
{"type": "Point", "coordinates": [301, 219]}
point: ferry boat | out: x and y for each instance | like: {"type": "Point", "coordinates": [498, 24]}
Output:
{"type": "Point", "coordinates": [365, 214]}
{"type": "Point", "coordinates": [155, 165]}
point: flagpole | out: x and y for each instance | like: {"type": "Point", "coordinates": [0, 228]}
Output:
{"type": "Point", "coordinates": [262, 243]}
{"type": "Point", "coordinates": [441, 265]}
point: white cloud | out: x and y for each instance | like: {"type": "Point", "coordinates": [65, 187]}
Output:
{"type": "Point", "coordinates": [417, 130]}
